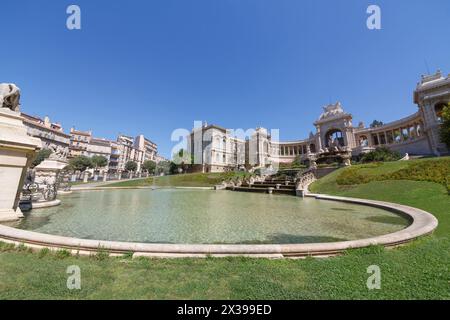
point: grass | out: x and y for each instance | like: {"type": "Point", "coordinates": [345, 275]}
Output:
{"type": "Point", "coordinates": [180, 180]}
{"type": "Point", "coordinates": [419, 270]}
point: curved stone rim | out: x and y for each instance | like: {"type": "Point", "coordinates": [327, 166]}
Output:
{"type": "Point", "coordinates": [422, 223]}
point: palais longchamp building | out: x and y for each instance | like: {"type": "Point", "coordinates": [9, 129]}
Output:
{"type": "Point", "coordinates": [216, 149]}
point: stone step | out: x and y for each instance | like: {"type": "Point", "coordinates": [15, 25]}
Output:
{"type": "Point", "coordinates": [275, 182]}
{"type": "Point", "coordinates": [265, 186]}
{"type": "Point", "coordinates": [262, 190]}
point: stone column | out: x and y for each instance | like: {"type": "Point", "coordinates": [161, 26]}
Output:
{"type": "Point", "coordinates": [105, 176]}
{"type": "Point", "coordinates": [319, 141]}
{"type": "Point", "coordinates": [17, 150]}
{"type": "Point", "coordinates": [85, 177]}
{"type": "Point", "coordinates": [120, 175]}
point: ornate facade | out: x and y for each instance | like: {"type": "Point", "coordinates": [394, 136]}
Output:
{"type": "Point", "coordinates": [217, 149]}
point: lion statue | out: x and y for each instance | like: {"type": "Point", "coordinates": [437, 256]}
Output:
{"type": "Point", "coordinates": [9, 96]}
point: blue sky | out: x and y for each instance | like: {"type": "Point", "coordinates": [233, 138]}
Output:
{"type": "Point", "coordinates": [153, 66]}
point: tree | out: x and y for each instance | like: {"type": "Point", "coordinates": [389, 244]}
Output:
{"type": "Point", "coordinates": [376, 123]}
{"type": "Point", "coordinates": [163, 167]}
{"type": "Point", "coordinates": [444, 130]}
{"type": "Point", "coordinates": [149, 166]}
{"type": "Point", "coordinates": [80, 163]}
{"type": "Point", "coordinates": [41, 156]}
{"type": "Point", "coordinates": [98, 162]}
{"type": "Point", "coordinates": [131, 166]}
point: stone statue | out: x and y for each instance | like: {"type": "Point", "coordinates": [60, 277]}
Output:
{"type": "Point", "coordinates": [331, 110]}
{"type": "Point", "coordinates": [9, 96]}
{"type": "Point", "coordinates": [58, 152]}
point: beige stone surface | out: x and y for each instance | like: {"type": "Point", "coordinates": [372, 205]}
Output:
{"type": "Point", "coordinates": [16, 153]}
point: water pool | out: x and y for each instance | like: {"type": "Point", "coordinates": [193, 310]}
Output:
{"type": "Point", "coordinates": [207, 217]}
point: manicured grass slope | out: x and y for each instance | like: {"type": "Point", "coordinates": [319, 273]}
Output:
{"type": "Point", "coordinates": [417, 270]}
{"type": "Point", "coordinates": [180, 180]}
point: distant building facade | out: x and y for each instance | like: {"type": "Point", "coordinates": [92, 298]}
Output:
{"type": "Point", "coordinates": [216, 149]}
{"type": "Point", "coordinates": [79, 141]}
{"type": "Point", "coordinates": [149, 148]}
{"type": "Point", "coordinates": [128, 152]}
{"type": "Point", "coordinates": [51, 134]}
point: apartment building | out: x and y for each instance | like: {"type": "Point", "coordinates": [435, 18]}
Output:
{"type": "Point", "coordinates": [149, 148]}
{"type": "Point", "coordinates": [79, 141]}
{"type": "Point", "coordinates": [51, 134]}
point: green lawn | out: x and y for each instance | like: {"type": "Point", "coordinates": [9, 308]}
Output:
{"type": "Point", "coordinates": [179, 180]}
{"type": "Point", "coordinates": [419, 270]}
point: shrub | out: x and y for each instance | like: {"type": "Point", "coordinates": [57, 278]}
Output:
{"type": "Point", "coordinates": [351, 176]}
{"type": "Point", "coordinates": [436, 170]}
{"type": "Point", "coordinates": [432, 170]}
{"type": "Point", "coordinates": [43, 252]}
{"type": "Point", "coordinates": [381, 154]}
{"type": "Point", "coordinates": [62, 254]}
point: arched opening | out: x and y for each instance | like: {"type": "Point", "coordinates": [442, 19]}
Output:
{"type": "Point", "coordinates": [312, 148]}
{"type": "Point", "coordinates": [363, 141]}
{"type": "Point", "coordinates": [438, 108]}
{"type": "Point", "coordinates": [334, 137]}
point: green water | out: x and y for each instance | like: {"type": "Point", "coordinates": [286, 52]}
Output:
{"type": "Point", "coordinates": [205, 216]}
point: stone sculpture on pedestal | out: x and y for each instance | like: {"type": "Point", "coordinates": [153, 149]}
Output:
{"type": "Point", "coordinates": [17, 151]}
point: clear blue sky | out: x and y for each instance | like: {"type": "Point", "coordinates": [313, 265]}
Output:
{"type": "Point", "coordinates": [153, 66]}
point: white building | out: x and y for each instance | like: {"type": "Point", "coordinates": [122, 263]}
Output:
{"type": "Point", "coordinates": [216, 149]}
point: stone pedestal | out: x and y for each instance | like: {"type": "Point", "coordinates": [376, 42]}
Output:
{"type": "Point", "coordinates": [17, 150]}
{"type": "Point", "coordinates": [85, 177]}
{"type": "Point", "coordinates": [48, 171]}
{"type": "Point", "coordinates": [47, 174]}
{"type": "Point", "coordinates": [105, 177]}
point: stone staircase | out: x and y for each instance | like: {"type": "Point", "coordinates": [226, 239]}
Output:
{"type": "Point", "coordinates": [267, 186]}
{"type": "Point", "coordinates": [272, 185]}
